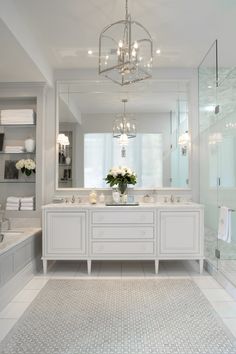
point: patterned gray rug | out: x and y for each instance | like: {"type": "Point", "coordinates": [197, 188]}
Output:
{"type": "Point", "coordinates": [119, 317]}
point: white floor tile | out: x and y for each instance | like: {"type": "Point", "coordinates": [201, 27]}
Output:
{"type": "Point", "coordinates": [175, 268]}
{"type": "Point", "coordinates": [207, 283]}
{"type": "Point", "coordinates": [231, 324]}
{"type": "Point", "coordinates": [25, 295]}
{"type": "Point", "coordinates": [225, 309]}
{"type": "Point", "coordinates": [82, 270]}
{"type": "Point", "coordinates": [149, 269]}
{"type": "Point", "coordinates": [36, 284]}
{"type": "Point", "coordinates": [217, 295]}
{"type": "Point", "coordinates": [132, 268]}
{"type": "Point", "coordinates": [14, 310]}
{"type": "Point", "coordinates": [6, 325]}
{"type": "Point", "coordinates": [110, 269]}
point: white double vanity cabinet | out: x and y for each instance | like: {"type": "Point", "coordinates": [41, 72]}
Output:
{"type": "Point", "coordinates": [145, 232]}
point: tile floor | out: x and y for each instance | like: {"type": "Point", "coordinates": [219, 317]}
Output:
{"type": "Point", "coordinates": [221, 301]}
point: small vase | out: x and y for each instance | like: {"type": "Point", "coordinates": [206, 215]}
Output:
{"type": "Point", "coordinates": [123, 192]}
{"type": "Point", "coordinates": [122, 188]}
{"type": "Point", "coordinates": [29, 145]}
{"type": "Point", "coordinates": [68, 160]}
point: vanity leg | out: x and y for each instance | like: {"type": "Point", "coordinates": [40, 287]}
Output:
{"type": "Point", "coordinates": [201, 261]}
{"type": "Point", "coordinates": [89, 264]}
{"type": "Point", "coordinates": [45, 266]}
{"type": "Point", "coordinates": [156, 266]}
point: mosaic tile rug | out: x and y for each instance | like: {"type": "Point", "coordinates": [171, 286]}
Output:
{"type": "Point", "coordinates": [168, 316]}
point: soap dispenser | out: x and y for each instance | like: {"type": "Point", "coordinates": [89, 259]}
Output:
{"type": "Point", "coordinates": [93, 197]}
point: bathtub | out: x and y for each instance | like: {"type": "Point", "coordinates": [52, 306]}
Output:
{"type": "Point", "coordinates": [20, 252]}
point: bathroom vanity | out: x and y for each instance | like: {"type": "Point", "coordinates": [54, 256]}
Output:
{"type": "Point", "coordinates": [145, 232]}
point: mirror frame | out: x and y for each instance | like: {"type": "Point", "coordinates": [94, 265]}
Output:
{"type": "Point", "coordinates": [76, 189]}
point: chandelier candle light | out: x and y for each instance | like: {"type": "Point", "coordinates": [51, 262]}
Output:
{"type": "Point", "coordinates": [125, 51]}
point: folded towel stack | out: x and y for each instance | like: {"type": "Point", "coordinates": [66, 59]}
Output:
{"type": "Point", "coordinates": [13, 203]}
{"type": "Point", "coordinates": [14, 149]}
{"type": "Point", "coordinates": [17, 116]}
{"type": "Point", "coordinates": [27, 203]}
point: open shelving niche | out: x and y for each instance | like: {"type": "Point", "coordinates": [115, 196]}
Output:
{"type": "Point", "coordinates": [22, 97]}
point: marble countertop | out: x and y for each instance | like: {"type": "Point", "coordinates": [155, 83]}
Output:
{"type": "Point", "coordinates": [184, 205]}
{"type": "Point", "coordinates": [13, 237]}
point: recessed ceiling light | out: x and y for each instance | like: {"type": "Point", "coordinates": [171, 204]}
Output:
{"type": "Point", "coordinates": [90, 52]}
{"type": "Point", "coordinates": [158, 51]}
{"type": "Point", "coordinates": [209, 86]}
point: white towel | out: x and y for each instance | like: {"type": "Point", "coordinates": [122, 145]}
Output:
{"type": "Point", "coordinates": [27, 204]}
{"type": "Point", "coordinates": [12, 204]}
{"type": "Point", "coordinates": [26, 208]}
{"type": "Point", "coordinates": [13, 199]}
{"type": "Point", "coordinates": [27, 199]}
{"type": "Point", "coordinates": [12, 208]}
{"type": "Point", "coordinates": [9, 112]}
{"type": "Point", "coordinates": [224, 227]}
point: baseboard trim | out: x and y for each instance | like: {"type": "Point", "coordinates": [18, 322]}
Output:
{"type": "Point", "coordinates": [9, 290]}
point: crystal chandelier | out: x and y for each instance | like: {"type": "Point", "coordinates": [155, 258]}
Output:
{"type": "Point", "coordinates": [124, 127]}
{"type": "Point", "coordinates": [125, 51]}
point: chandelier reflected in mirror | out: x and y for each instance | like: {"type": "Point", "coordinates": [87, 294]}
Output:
{"type": "Point", "coordinates": [124, 127]}
{"type": "Point", "coordinates": [125, 51]}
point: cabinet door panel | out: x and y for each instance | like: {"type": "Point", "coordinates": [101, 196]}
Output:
{"type": "Point", "coordinates": [179, 233]}
{"type": "Point", "coordinates": [66, 233]}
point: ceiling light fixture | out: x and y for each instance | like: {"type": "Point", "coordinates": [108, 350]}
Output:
{"type": "Point", "coordinates": [124, 127]}
{"type": "Point", "coordinates": [90, 52]}
{"type": "Point", "coordinates": [125, 51]}
{"type": "Point", "coordinates": [158, 51]}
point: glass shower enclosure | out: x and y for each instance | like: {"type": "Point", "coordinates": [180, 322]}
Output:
{"type": "Point", "coordinates": [217, 138]}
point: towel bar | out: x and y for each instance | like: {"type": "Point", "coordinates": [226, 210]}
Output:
{"type": "Point", "coordinates": [229, 209]}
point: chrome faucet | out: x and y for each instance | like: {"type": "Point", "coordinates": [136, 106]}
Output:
{"type": "Point", "coordinates": [172, 199]}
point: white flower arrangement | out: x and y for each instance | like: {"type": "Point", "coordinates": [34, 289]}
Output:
{"type": "Point", "coordinates": [121, 175]}
{"type": "Point", "coordinates": [26, 166]}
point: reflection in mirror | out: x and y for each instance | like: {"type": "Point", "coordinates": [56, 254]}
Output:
{"type": "Point", "coordinates": [158, 151]}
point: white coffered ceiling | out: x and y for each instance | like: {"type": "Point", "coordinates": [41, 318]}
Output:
{"type": "Point", "coordinates": [58, 33]}
{"type": "Point", "coordinates": [39, 37]}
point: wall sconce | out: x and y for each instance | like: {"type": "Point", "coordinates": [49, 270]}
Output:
{"type": "Point", "coordinates": [184, 140]}
{"type": "Point", "coordinates": [63, 141]}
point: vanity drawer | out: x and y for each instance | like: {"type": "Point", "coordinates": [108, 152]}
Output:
{"type": "Point", "coordinates": [123, 217]}
{"type": "Point", "coordinates": [123, 232]}
{"type": "Point", "coordinates": [122, 248]}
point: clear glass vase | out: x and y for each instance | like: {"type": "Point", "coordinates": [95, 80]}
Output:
{"type": "Point", "coordinates": [123, 192]}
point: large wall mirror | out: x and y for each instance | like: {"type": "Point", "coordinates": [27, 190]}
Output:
{"type": "Point", "coordinates": [90, 116]}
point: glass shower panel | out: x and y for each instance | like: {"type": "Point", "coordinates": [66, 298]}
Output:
{"type": "Point", "coordinates": [208, 79]}
{"type": "Point", "coordinates": [227, 169]}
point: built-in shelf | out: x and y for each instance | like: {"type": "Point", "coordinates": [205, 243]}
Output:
{"type": "Point", "coordinates": [17, 153]}
{"type": "Point", "coordinates": [18, 125]}
{"type": "Point", "coordinates": [17, 181]}
{"type": "Point", "coordinates": [64, 165]}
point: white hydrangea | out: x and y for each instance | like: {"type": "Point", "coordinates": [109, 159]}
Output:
{"type": "Point", "coordinates": [28, 164]}
{"type": "Point", "coordinates": [20, 164]}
